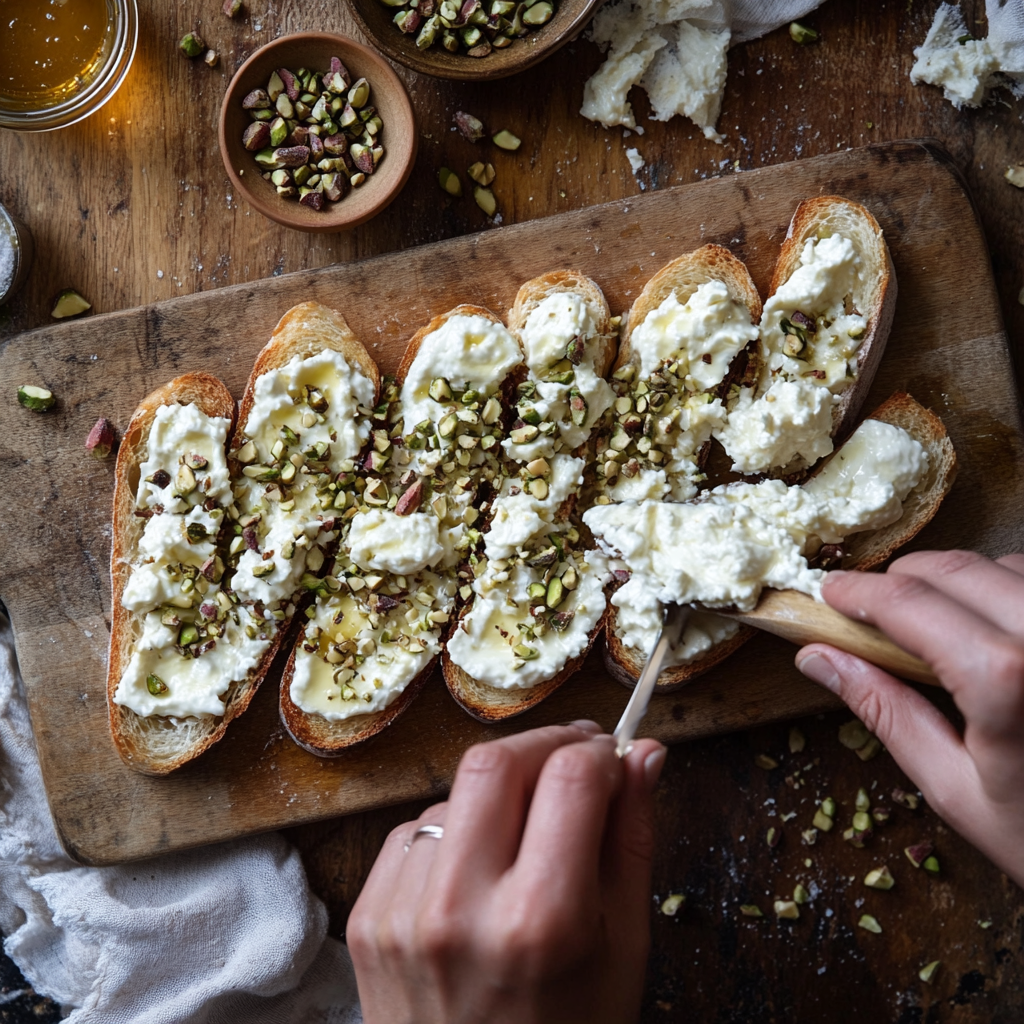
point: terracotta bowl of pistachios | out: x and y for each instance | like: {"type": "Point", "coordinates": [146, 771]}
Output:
{"type": "Point", "coordinates": [317, 132]}
{"type": "Point", "coordinates": [471, 40]}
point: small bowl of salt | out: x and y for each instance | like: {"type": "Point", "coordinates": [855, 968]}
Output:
{"type": "Point", "coordinates": [15, 254]}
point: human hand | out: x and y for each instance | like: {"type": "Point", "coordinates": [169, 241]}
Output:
{"type": "Point", "coordinates": [964, 615]}
{"type": "Point", "coordinates": [533, 906]}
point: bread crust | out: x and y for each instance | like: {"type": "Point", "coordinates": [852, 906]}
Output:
{"type": "Point", "coordinates": [863, 551]}
{"type": "Point", "coordinates": [316, 734]}
{"type": "Point", "coordinates": [836, 215]}
{"type": "Point", "coordinates": [489, 703]}
{"type": "Point", "coordinates": [140, 741]}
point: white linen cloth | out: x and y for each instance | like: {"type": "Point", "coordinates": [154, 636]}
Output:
{"type": "Point", "coordinates": [223, 935]}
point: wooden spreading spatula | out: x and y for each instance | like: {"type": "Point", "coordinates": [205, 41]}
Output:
{"type": "Point", "coordinates": [801, 619]}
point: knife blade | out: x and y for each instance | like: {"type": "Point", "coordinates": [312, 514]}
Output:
{"type": "Point", "coordinates": [673, 622]}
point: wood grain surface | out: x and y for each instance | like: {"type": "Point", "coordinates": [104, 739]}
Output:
{"type": "Point", "coordinates": [55, 582]}
{"type": "Point", "coordinates": [132, 207]}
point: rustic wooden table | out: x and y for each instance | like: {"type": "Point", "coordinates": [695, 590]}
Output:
{"type": "Point", "coordinates": [132, 206]}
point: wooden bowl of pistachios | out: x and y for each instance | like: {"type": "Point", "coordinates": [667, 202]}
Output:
{"type": "Point", "coordinates": [471, 40]}
{"type": "Point", "coordinates": [317, 132]}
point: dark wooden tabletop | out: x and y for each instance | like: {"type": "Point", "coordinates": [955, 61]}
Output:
{"type": "Point", "coordinates": [132, 206]}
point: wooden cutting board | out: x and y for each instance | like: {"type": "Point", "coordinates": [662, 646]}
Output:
{"type": "Point", "coordinates": [947, 347]}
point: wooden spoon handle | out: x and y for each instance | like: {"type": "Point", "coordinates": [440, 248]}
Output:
{"type": "Point", "coordinates": [801, 619]}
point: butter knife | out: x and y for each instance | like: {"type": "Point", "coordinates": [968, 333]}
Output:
{"type": "Point", "coordinates": [673, 622]}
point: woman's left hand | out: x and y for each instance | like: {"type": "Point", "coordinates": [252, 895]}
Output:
{"type": "Point", "coordinates": [533, 906]}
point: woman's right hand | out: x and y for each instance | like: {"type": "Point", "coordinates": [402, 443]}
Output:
{"type": "Point", "coordinates": [964, 615]}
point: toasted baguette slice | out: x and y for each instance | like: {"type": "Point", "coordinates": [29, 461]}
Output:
{"type": "Point", "coordinates": [821, 217]}
{"type": "Point", "coordinates": [313, 731]}
{"type": "Point", "coordinates": [684, 276]}
{"type": "Point", "coordinates": [489, 704]}
{"type": "Point", "coordinates": [683, 454]}
{"type": "Point", "coordinates": [861, 551]}
{"type": "Point", "coordinates": [415, 342]}
{"type": "Point", "coordinates": [535, 291]}
{"type": "Point", "coordinates": [483, 701]}
{"type": "Point", "coordinates": [870, 549]}
{"type": "Point", "coordinates": [156, 745]}
{"type": "Point", "coordinates": [304, 331]}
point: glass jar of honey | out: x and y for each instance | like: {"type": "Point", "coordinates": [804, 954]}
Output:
{"type": "Point", "coordinates": [61, 60]}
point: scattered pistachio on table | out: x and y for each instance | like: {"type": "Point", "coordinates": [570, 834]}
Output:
{"type": "Point", "coordinates": [470, 127]}
{"type": "Point", "coordinates": [801, 33]}
{"type": "Point", "coordinates": [101, 439]}
{"type": "Point", "coordinates": [919, 853]}
{"type": "Point", "coordinates": [211, 58]}
{"type": "Point", "coordinates": [232, 8]}
{"type": "Point", "coordinates": [481, 173]}
{"type": "Point", "coordinates": [314, 135]}
{"type": "Point", "coordinates": [506, 140]}
{"type": "Point", "coordinates": [880, 878]}
{"type": "Point", "coordinates": [68, 304]}
{"type": "Point", "coordinates": [787, 909]}
{"type": "Point", "coordinates": [670, 907]}
{"type": "Point", "coordinates": [449, 181]}
{"type": "Point", "coordinates": [485, 200]}
{"type": "Point", "coordinates": [927, 973]}
{"type": "Point", "coordinates": [192, 45]}
{"type": "Point", "coordinates": [469, 26]}
{"type": "Point", "coordinates": [36, 398]}
{"type": "Point", "coordinates": [870, 924]}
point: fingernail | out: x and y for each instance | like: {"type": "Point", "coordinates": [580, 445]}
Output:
{"type": "Point", "coordinates": [653, 764]}
{"type": "Point", "coordinates": [586, 725]}
{"type": "Point", "coordinates": [834, 574]}
{"type": "Point", "coordinates": [821, 670]}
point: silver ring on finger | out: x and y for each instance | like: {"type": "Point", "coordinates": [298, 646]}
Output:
{"type": "Point", "coordinates": [433, 831]}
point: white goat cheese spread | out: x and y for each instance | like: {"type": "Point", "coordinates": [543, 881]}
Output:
{"type": "Point", "coordinates": [483, 645]}
{"type": "Point", "coordinates": [725, 548]}
{"type": "Point", "coordinates": [638, 623]}
{"type": "Point", "coordinates": [866, 482]}
{"type": "Point", "coordinates": [362, 659]}
{"type": "Point", "coordinates": [381, 540]}
{"type": "Point", "coordinates": [707, 331]}
{"type": "Point", "coordinates": [176, 430]}
{"type": "Point", "coordinates": [467, 351]}
{"type": "Point", "coordinates": [963, 67]}
{"type": "Point", "coordinates": [290, 529]}
{"type": "Point", "coordinates": [552, 324]}
{"type": "Point", "coordinates": [809, 343]}
{"type": "Point", "coordinates": [190, 686]}
{"type": "Point", "coordinates": [518, 517]}
{"type": "Point", "coordinates": [790, 423]}
{"type": "Point", "coordinates": [712, 551]}
{"type": "Point", "coordinates": [194, 685]}
{"type": "Point", "coordinates": [556, 321]}
{"type": "Point", "coordinates": [275, 404]}
{"type": "Point", "coordinates": [830, 274]}
{"type": "Point", "coordinates": [682, 65]}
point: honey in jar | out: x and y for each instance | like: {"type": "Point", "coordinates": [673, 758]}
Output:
{"type": "Point", "coordinates": [51, 49]}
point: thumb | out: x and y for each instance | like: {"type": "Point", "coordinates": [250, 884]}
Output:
{"type": "Point", "coordinates": [920, 738]}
